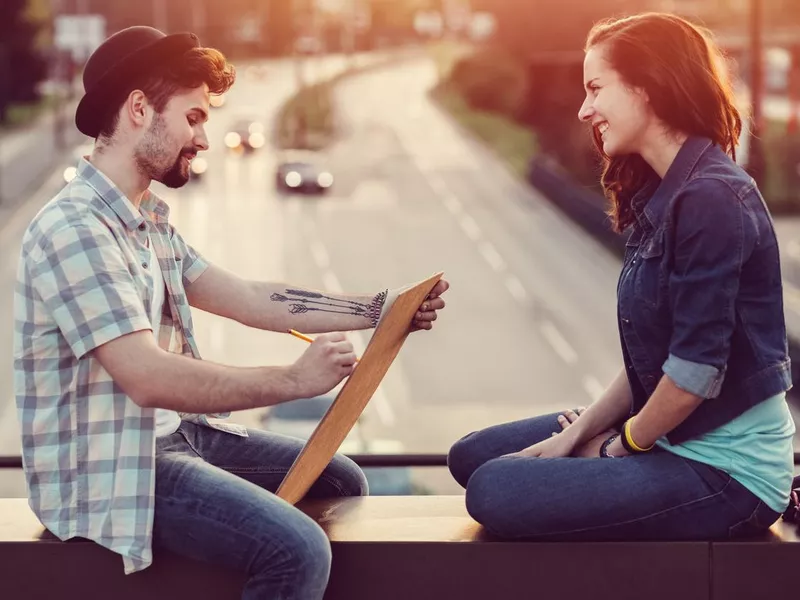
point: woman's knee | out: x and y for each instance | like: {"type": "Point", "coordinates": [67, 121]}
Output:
{"type": "Point", "coordinates": [461, 459]}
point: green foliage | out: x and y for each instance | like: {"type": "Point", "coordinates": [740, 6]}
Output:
{"type": "Point", "coordinates": [490, 80]}
{"type": "Point", "coordinates": [22, 67]}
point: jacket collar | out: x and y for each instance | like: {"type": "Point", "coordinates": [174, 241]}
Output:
{"type": "Point", "coordinates": [650, 203]}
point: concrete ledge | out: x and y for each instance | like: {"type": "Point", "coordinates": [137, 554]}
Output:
{"type": "Point", "coordinates": [422, 547]}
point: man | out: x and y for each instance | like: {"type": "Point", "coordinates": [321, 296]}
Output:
{"type": "Point", "coordinates": [117, 442]}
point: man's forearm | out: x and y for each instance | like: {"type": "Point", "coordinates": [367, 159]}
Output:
{"type": "Point", "coordinates": [610, 408]}
{"type": "Point", "coordinates": [279, 307]}
{"type": "Point", "coordinates": [196, 386]}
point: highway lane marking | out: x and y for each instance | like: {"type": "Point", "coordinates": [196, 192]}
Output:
{"type": "Point", "coordinates": [320, 255]}
{"type": "Point", "coordinates": [516, 289]}
{"type": "Point", "coordinates": [216, 335]}
{"type": "Point", "coordinates": [379, 399]}
{"type": "Point", "coordinates": [793, 250]}
{"type": "Point", "coordinates": [558, 343]}
{"type": "Point", "coordinates": [593, 387]}
{"type": "Point", "coordinates": [491, 255]}
{"type": "Point", "coordinates": [332, 284]}
{"type": "Point", "coordinates": [451, 203]}
{"type": "Point", "coordinates": [791, 296]}
{"type": "Point", "coordinates": [470, 227]}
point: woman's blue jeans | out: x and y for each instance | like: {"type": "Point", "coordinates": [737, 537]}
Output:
{"type": "Point", "coordinates": [653, 496]}
{"type": "Point", "coordinates": [215, 502]}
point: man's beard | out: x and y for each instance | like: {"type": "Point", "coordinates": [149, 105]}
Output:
{"type": "Point", "coordinates": [174, 176]}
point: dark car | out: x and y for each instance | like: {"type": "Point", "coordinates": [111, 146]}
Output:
{"type": "Point", "coordinates": [302, 172]}
{"type": "Point", "coordinates": [245, 134]}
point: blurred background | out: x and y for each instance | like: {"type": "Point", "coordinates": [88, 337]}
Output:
{"type": "Point", "coordinates": [369, 143]}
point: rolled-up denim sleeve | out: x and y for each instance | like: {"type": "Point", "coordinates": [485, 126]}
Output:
{"type": "Point", "coordinates": [712, 243]}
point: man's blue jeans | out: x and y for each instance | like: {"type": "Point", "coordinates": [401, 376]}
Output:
{"type": "Point", "coordinates": [215, 503]}
{"type": "Point", "coordinates": [653, 496]}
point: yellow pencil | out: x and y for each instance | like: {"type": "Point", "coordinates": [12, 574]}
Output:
{"type": "Point", "coordinates": [297, 334]}
{"type": "Point", "coordinates": [302, 336]}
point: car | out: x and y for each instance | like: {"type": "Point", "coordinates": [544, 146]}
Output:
{"type": "Point", "coordinates": [302, 171]}
{"type": "Point", "coordinates": [85, 148]}
{"type": "Point", "coordinates": [217, 100]}
{"type": "Point", "coordinates": [245, 134]}
{"type": "Point", "coordinates": [198, 168]}
{"type": "Point", "coordinates": [299, 419]}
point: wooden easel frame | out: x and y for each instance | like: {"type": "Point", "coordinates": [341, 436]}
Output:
{"type": "Point", "coordinates": [356, 392]}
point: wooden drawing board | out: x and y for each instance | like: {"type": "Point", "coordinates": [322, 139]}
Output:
{"type": "Point", "coordinates": [356, 392]}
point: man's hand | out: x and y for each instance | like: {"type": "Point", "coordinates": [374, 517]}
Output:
{"type": "Point", "coordinates": [328, 360]}
{"type": "Point", "coordinates": [426, 315]}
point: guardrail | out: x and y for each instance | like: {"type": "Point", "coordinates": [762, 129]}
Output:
{"type": "Point", "coordinates": [362, 460]}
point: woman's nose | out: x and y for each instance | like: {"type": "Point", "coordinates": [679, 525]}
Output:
{"type": "Point", "coordinates": [586, 111]}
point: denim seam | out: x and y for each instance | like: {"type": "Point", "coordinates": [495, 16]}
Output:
{"type": "Point", "coordinates": [752, 514]}
{"type": "Point", "coordinates": [189, 442]}
{"type": "Point", "coordinates": [257, 541]}
{"type": "Point", "coordinates": [655, 514]}
{"type": "Point", "coordinates": [327, 478]}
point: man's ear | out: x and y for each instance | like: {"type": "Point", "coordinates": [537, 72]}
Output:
{"type": "Point", "coordinates": [136, 108]}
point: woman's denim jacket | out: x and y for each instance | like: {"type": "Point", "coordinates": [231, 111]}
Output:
{"type": "Point", "coordinates": [700, 296]}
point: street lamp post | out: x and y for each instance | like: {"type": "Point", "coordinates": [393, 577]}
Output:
{"type": "Point", "coordinates": [756, 163]}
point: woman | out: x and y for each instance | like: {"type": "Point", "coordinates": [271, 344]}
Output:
{"type": "Point", "coordinates": [693, 438]}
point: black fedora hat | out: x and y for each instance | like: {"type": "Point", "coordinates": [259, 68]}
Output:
{"type": "Point", "coordinates": [117, 62]}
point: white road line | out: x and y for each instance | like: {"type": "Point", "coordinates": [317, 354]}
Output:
{"type": "Point", "coordinates": [791, 296]}
{"type": "Point", "coordinates": [559, 344]}
{"type": "Point", "coordinates": [331, 282]}
{"type": "Point", "coordinates": [320, 255]}
{"type": "Point", "coordinates": [593, 387]}
{"type": "Point", "coordinates": [516, 288]}
{"type": "Point", "coordinates": [379, 400]}
{"type": "Point", "coordinates": [470, 227]}
{"type": "Point", "coordinates": [452, 203]}
{"type": "Point", "coordinates": [216, 336]}
{"type": "Point", "coordinates": [437, 184]}
{"type": "Point", "coordinates": [793, 250]}
{"type": "Point", "coordinates": [491, 255]}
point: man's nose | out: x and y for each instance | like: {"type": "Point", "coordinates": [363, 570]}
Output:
{"type": "Point", "coordinates": [201, 141]}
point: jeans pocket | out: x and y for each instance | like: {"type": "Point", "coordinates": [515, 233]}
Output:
{"type": "Point", "coordinates": [757, 523]}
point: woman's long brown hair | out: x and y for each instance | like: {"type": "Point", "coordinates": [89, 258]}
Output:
{"type": "Point", "coordinates": [683, 73]}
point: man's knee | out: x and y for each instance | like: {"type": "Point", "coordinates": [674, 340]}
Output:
{"type": "Point", "coordinates": [348, 477]}
{"type": "Point", "coordinates": [300, 552]}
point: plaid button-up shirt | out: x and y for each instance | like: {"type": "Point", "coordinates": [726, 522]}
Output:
{"type": "Point", "coordinates": [83, 280]}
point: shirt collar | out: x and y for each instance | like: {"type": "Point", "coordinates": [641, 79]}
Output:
{"type": "Point", "coordinates": [155, 207]}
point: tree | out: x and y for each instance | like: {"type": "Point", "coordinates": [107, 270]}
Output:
{"type": "Point", "coordinates": [22, 66]}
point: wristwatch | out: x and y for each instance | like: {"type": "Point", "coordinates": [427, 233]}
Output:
{"type": "Point", "coordinates": [604, 448]}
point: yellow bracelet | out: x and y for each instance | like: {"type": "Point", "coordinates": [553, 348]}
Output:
{"type": "Point", "coordinates": [627, 431]}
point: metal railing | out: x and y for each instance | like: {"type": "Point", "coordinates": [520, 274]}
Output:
{"type": "Point", "coordinates": [362, 460]}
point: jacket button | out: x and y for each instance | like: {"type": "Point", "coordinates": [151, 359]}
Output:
{"type": "Point", "coordinates": [142, 226]}
{"type": "Point", "coordinates": [144, 264]}
{"type": "Point", "coordinates": [626, 321]}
